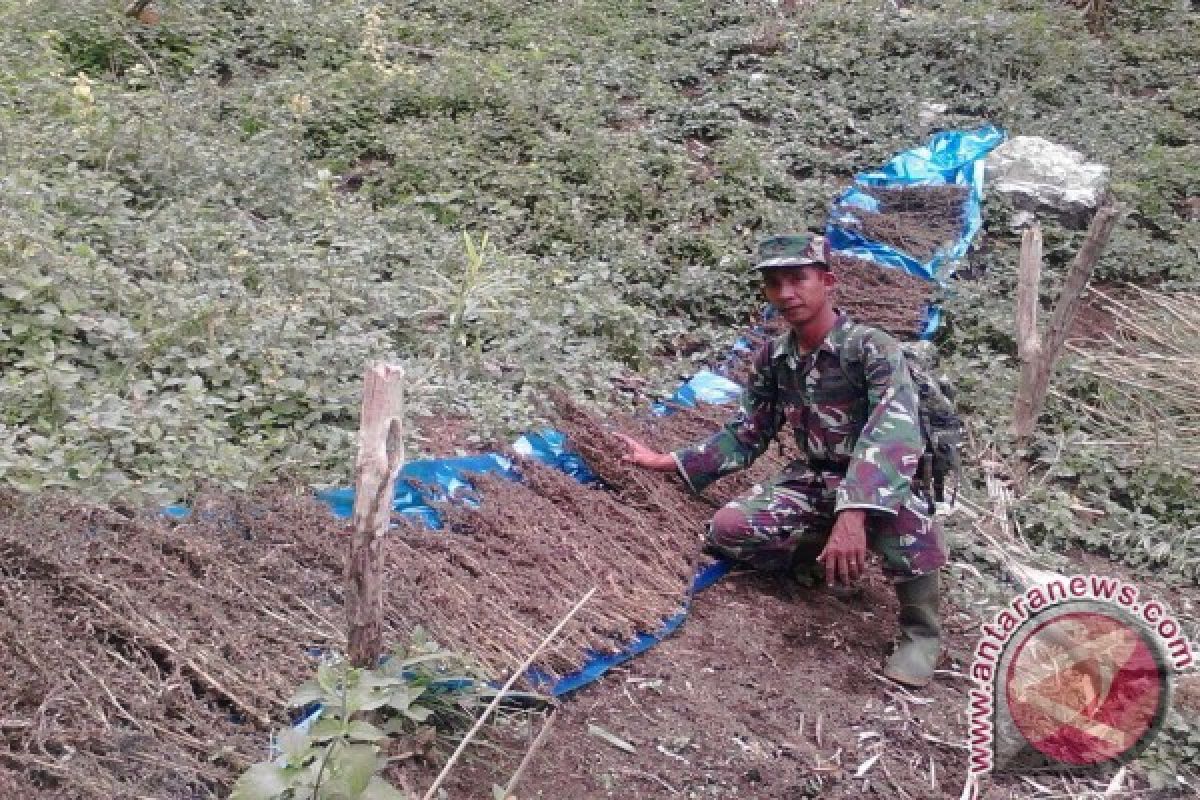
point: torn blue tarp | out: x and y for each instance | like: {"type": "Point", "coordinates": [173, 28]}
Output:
{"type": "Point", "coordinates": [703, 387]}
{"type": "Point", "coordinates": [951, 157]}
{"type": "Point", "coordinates": [421, 483]}
{"type": "Point", "coordinates": [550, 448]}
{"type": "Point", "coordinates": [599, 663]}
{"type": "Point", "coordinates": [933, 319]}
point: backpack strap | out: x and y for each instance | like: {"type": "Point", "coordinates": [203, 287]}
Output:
{"type": "Point", "coordinates": [854, 366]}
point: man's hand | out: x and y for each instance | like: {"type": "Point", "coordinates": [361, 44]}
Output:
{"type": "Point", "coordinates": [642, 456]}
{"type": "Point", "coordinates": [845, 554]}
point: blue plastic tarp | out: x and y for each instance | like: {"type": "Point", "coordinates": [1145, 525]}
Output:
{"type": "Point", "coordinates": [703, 387]}
{"type": "Point", "coordinates": [597, 663]}
{"type": "Point", "coordinates": [951, 157]}
{"type": "Point", "coordinates": [421, 483]}
{"type": "Point", "coordinates": [550, 447]}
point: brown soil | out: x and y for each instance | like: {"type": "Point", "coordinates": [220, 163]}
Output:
{"type": "Point", "coordinates": [145, 658]}
{"type": "Point", "coordinates": [768, 691]}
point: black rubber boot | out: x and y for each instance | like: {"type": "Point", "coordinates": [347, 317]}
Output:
{"type": "Point", "coordinates": [919, 642]}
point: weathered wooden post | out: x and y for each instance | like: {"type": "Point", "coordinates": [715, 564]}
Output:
{"type": "Point", "coordinates": [1029, 341]}
{"type": "Point", "coordinates": [1096, 14]}
{"type": "Point", "coordinates": [380, 456]}
{"type": "Point", "coordinates": [1039, 354]}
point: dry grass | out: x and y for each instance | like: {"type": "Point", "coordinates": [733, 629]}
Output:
{"type": "Point", "coordinates": [502, 573]}
{"type": "Point", "coordinates": [1147, 371]}
{"type": "Point", "coordinates": [918, 220]}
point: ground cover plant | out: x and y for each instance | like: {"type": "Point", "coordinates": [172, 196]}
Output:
{"type": "Point", "coordinates": [212, 220]}
{"type": "Point", "coordinates": [216, 219]}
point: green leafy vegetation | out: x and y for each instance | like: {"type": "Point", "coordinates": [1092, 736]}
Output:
{"type": "Point", "coordinates": [414, 696]}
{"type": "Point", "coordinates": [216, 220]}
{"type": "Point", "coordinates": [211, 223]}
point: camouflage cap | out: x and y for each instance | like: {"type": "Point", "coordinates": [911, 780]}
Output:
{"type": "Point", "coordinates": [793, 250]}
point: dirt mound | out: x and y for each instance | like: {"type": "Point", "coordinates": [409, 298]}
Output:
{"type": "Point", "coordinates": [141, 658]}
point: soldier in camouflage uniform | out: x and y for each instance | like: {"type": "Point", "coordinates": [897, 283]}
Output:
{"type": "Point", "coordinates": [852, 489]}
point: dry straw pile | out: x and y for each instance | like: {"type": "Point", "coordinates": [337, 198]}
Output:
{"type": "Point", "coordinates": [501, 574]}
{"type": "Point", "coordinates": [918, 220]}
{"type": "Point", "coordinates": [887, 298]}
{"type": "Point", "coordinates": [139, 658]}
{"type": "Point", "coordinates": [1146, 370]}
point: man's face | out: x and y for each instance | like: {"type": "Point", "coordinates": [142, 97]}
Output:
{"type": "Point", "coordinates": [799, 294]}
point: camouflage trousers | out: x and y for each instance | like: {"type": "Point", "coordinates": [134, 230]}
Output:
{"type": "Point", "coordinates": [788, 520]}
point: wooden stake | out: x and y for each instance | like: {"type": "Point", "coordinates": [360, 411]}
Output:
{"type": "Point", "coordinates": [1035, 382]}
{"type": "Point", "coordinates": [380, 456]}
{"type": "Point", "coordinates": [1029, 342]}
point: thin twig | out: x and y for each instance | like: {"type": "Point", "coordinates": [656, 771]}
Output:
{"type": "Point", "coordinates": [504, 691]}
{"type": "Point", "coordinates": [511, 786]}
{"type": "Point", "coordinates": [639, 773]}
{"type": "Point", "coordinates": [112, 698]}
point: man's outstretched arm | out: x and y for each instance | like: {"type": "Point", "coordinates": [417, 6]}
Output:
{"type": "Point", "coordinates": [744, 438]}
{"type": "Point", "coordinates": [732, 448]}
{"type": "Point", "coordinates": [643, 456]}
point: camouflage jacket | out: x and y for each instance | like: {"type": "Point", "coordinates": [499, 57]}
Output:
{"type": "Point", "coordinates": [871, 438]}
